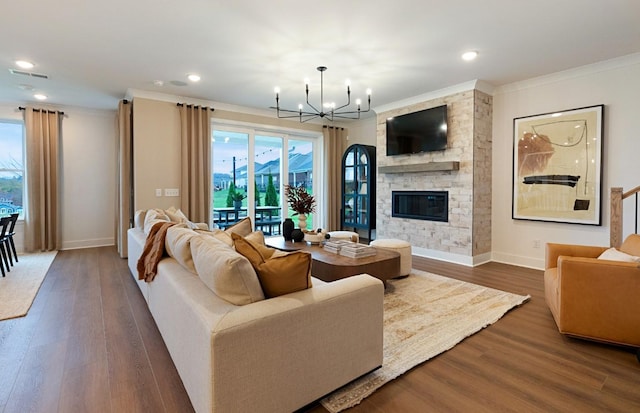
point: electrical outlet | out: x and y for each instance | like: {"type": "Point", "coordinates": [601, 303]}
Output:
{"type": "Point", "coordinates": [536, 243]}
{"type": "Point", "coordinates": [171, 192]}
{"type": "Point", "coordinates": [158, 192]}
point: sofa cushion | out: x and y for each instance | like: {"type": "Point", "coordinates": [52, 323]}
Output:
{"type": "Point", "coordinates": [178, 245]}
{"type": "Point", "coordinates": [176, 215]}
{"type": "Point", "coordinates": [152, 217]}
{"type": "Point", "coordinates": [281, 273]}
{"type": "Point", "coordinates": [615, 255]}
{"type": "Point", "coordinates": [228, 274]}
{"type": "Point", "coordinates": [242, 227]}
{"type": "Point", "coordinates": [631, 245]}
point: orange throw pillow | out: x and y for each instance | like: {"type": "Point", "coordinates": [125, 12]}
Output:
{"type": "Point", "coordinates": [282, 272]}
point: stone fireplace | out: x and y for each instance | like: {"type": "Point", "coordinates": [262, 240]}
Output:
{"type": "Point", "coordinates": [462, 171]}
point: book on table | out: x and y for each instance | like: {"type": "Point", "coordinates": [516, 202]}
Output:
{"type": "Point", "coordinates": [355, 250]}
{"type": "Point", "coordinates": [334, 246]}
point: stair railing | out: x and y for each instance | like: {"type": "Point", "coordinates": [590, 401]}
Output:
{"type": "Point", "coordinates": [617, 196]}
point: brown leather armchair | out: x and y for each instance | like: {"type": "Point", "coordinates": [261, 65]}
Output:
{"type": "Point", "coordinates": [592, 298]}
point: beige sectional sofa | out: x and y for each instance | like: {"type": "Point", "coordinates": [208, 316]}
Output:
{"type": "Point", "coordinates": [272, 355]}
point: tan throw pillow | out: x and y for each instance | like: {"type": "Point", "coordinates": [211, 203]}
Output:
{"type": "Point", "coordinates": [178, 245]}
{"type": "Point", "coordinates": [282, 273]}
{"type": "Point", "coordinates": [228, 274]}
{"type": "Point", "coordinates": [242, 227]}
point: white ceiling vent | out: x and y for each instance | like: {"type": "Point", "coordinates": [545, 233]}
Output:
{"type": "Point", "coordinates": [31, 74]}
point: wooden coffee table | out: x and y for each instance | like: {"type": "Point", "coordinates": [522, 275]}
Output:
{"type": "Point", "coordinates": [328, 266]}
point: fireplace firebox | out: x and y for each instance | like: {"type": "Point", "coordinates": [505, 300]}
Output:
{"type": "Point", "coordinates": [425, 205]}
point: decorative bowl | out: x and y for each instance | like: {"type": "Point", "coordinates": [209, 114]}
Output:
{"type": "Point", "coordinates": [314, 237]}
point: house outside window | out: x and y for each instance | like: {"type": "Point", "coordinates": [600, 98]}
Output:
{"type": "Point", "coordinates": [11, 167]}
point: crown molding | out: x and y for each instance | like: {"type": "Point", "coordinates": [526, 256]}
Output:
{"type": "Point", "coordinates": [576, 72]}
{"type": "Point", "coordinates": [436, 94]}
{"type": "Point", "coordinates": [166, 97]}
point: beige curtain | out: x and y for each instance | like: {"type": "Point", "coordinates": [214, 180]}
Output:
{"type": "Point", "coordinates": [124, 180]}
{"type": "Point", "coordinates": [41, 222]}
{"type": "Point", "coordinates": [334, 145]}
{"type": "Point", "coordinates": [196, 162]}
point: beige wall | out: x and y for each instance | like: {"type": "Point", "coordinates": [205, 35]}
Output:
{"type": "Point", "coordinates": [156, 153]}
{"type": "Point", "coordinates": [613, 83]}
{"type": "Point", "coordinates": [88, 177]}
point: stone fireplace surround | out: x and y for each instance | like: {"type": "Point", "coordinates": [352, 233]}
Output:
{"type": "Point", "coordinates": [463, 169]}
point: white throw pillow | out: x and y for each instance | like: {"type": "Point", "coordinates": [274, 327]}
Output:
{"type": "Point", "coordinates": [178, 245]}
{"type": "Point", "coordinates": [153, 216]}
{"type": "Point", "coordinates": [139, 218]}
{"type": "Point", "coordinates": [228, 274]}
{"type": "Point", "coordinates": [176, 215]}
{"type": "Point", "coordinates": [613, 254]}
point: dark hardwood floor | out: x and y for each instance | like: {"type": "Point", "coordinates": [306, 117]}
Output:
{"type": "Point", "coordinates": [89, 344]}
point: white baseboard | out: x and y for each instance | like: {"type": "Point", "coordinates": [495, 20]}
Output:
{"type": "Point", "coordinates": [520, 261]}
{"type": "Point", "coordinates": [88, 243]}
{"type": "Point", "coordinates": [449, 257]}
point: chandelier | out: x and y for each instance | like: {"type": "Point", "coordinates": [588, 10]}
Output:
{"type": "Point", "coordinates": [327, 110]}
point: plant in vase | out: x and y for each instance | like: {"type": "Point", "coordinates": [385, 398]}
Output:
{"type": "Point", "coordinates": [237, 198]}
{"type": "Point", "coordinates": [301, 202]}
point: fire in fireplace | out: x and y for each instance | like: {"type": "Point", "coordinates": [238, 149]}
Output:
{"type": "Point", "coordinates": [425, 205]}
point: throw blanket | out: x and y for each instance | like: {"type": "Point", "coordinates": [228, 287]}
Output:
{"type": "Point", "coordinates": [153, 251]}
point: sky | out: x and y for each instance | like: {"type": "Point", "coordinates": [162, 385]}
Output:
{"type": "Point", "coordinates": [10, 143]}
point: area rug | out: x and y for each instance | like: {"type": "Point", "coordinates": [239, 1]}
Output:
{"type": "Point", "coordinates": [19, 287]}
{"type": "Point", "coordinates": [424, 315]}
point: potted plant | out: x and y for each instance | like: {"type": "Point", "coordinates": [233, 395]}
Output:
{"type": "Point", "coordinates": [237, 198]}
{"type": "Point", "coordinates": [301, 202]}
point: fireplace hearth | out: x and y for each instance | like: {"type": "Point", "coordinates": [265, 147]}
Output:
{"type": "Point", "coordinates": [424, 205]}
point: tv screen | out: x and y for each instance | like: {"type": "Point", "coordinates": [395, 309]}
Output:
{"type": "Point", "coordinates": [423, 131]}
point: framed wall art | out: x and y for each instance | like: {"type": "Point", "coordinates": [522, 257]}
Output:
{"type": "Point", "coordinates": [557, 166]}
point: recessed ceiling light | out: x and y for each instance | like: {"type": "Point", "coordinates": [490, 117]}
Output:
{"type": "Point", "coordinates": [193, 78]}
{"type": "Point", "coordinates": [40, 96]}
{"type": "Point", "coordinates": [468, 56]}
{"type": "Point", "coordinates": [24, 64]}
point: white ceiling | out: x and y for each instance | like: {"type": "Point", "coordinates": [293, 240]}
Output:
{"type": "Point", "coordinates": [94, 51]}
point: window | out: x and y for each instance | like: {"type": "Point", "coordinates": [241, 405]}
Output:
{"type": "Point", "coordinates": [252, 164]}
{"type": "Point", "coordinates": [11, 167]}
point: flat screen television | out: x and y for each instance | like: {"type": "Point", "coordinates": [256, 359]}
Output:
{"type": "Point", "coordinates": [423, 131]}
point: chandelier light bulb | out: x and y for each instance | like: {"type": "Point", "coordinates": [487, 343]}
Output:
{"type": "Point", "coordinates": [358, 102]}
{"type": "Point", "coordinates": [369, 92]}
{"type": "Point", "coordinates": [306, 81]}
{"type": "Point", "coordinates": [276, 90]}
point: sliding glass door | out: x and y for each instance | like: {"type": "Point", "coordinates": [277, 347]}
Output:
{"type": "Point", "coordinates": [250, 171]}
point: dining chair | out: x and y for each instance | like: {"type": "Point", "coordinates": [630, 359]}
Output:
{"type": "Point", "coordinates": [4, 225]}
{"type": "Point", "coordinates": [10, 233]}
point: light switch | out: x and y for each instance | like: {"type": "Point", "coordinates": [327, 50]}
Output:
{"type": "Point", "coordinates": [171, 192]}
{"type": "Point", "coordinates": [159, 192]}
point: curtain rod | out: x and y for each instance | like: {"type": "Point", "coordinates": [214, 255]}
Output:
{"type": "Point", "coordinates": [332, 127]}
{"type": "Point", "coordinates": [42, 110]}
{"type": "Point", "coordinates": [194, 106]}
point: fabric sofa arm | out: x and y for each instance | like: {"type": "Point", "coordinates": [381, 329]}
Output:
{"type": "Point", "coordinates": [553, 251]}
{"type": "Point", "coordinates": [282, 353]}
